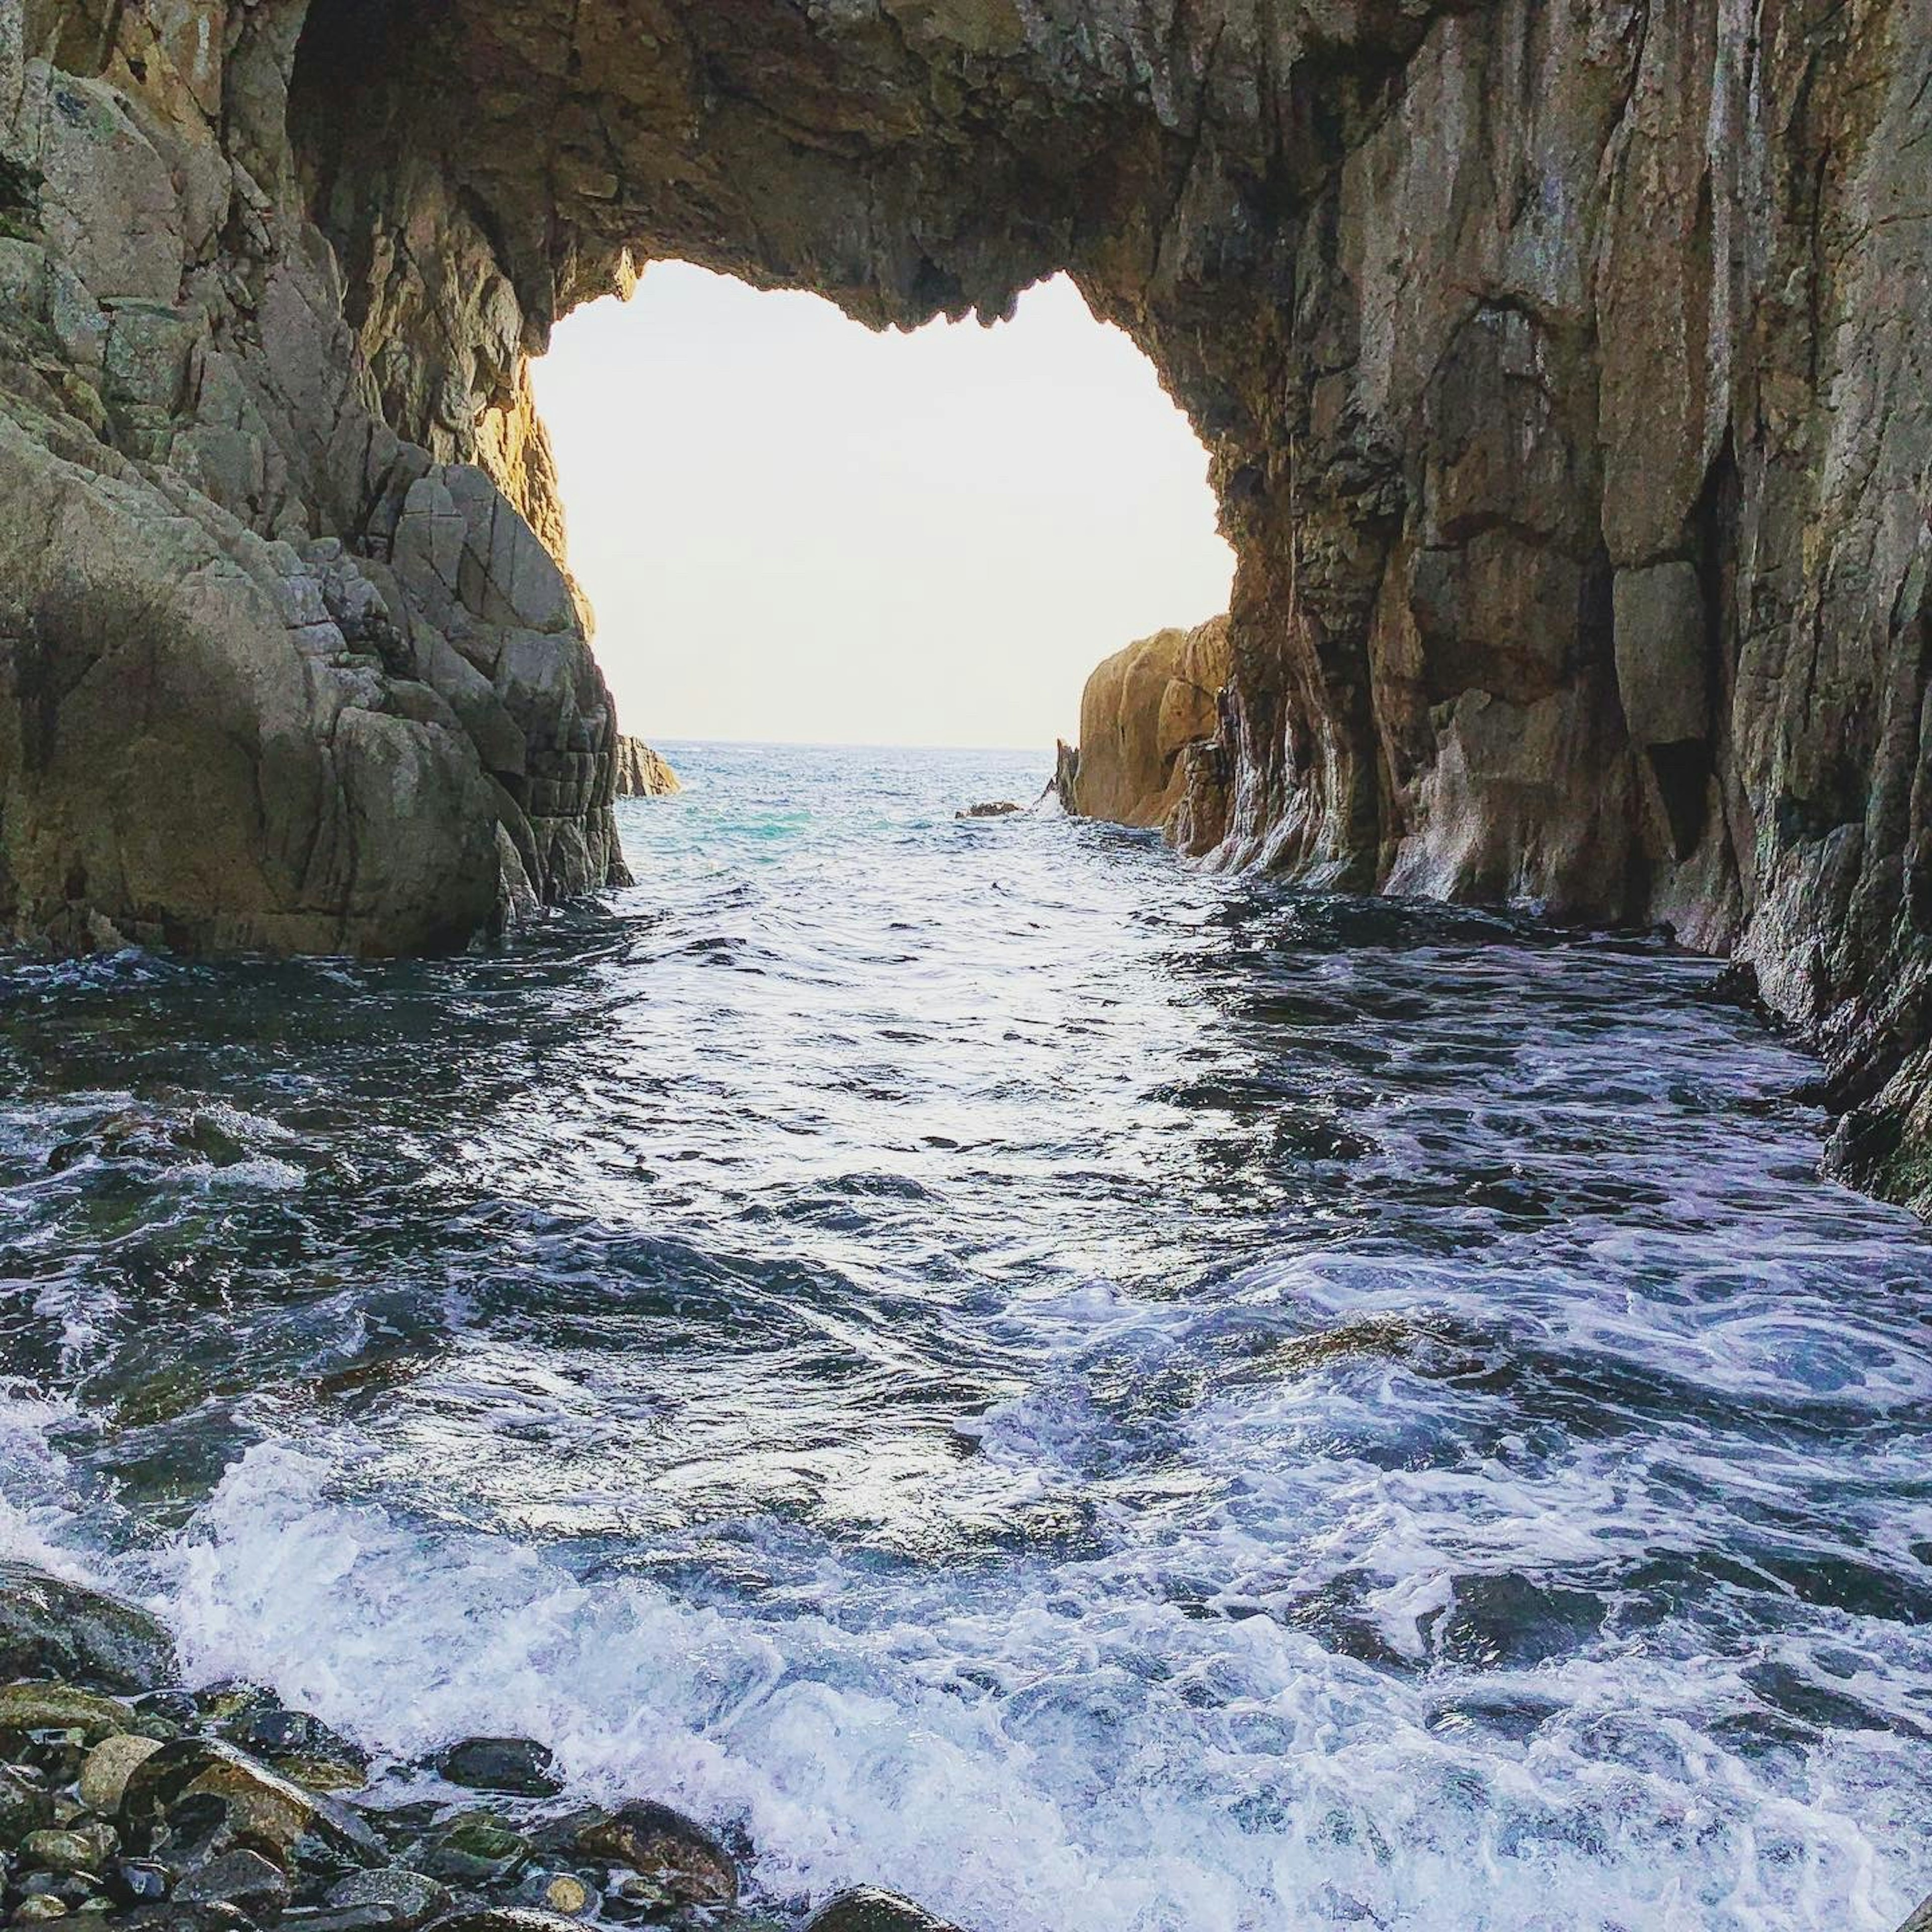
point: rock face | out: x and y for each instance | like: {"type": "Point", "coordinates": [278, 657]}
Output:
{"type": "Point", "coordinates": [643, 772]}
{"type": "Point", "coordinates": [1149, 718]}
{"type": "Point", "coordinates": [1566, 373]}
{"type": "Point", "coordinates": [271, 675]}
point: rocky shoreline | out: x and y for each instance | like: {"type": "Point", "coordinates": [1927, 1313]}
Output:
{"type": "Point", "coordinates": [130, 1797]}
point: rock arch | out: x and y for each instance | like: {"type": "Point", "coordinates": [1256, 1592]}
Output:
{"type": "Point", "coordinates": [1564, 370]}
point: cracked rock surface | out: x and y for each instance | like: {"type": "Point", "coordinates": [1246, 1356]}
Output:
{"type": "Point", "coordinates": [1564, 365]}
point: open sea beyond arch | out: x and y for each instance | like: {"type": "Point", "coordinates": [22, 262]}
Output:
{"type": "Point", "coordinates": [1106, 1398]}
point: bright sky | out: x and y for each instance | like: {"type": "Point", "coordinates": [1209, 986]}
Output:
{"type": "Point", "coordinates": [795, 529]}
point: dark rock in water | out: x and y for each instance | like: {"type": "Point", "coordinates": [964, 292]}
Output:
{"type": "Point", "coordinates": [517, 1766]}
{"type": "Point", "coordinates": [869, 1910]}
{"type": "Point", "coordinates": [238, 1878]}
{"type": "Point", "coordinates": [49, 1628]}
{"type": "Point", "coordinates": [296, 1743]}
{"type": "Point", "coordinates": [475, 1848]}
{"type": "Point", "coordinates": [409, 1898]}
{"type": "Point", "coordinates": [200, 1783]}
{"type": "Point", "coordinates": [998, 807]}
{"type": "Point", "coordinates": [658, 1844]}
{"type": "Point", "coordinates": [1921, 1921]}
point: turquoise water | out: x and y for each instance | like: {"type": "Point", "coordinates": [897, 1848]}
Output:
{"type": "Point", "coordinates": [1103, 1397]}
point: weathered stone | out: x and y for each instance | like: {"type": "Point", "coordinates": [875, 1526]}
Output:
{"type": "Point", "coordinates": [239, 1878]}
{"type": "Point", "coordinates": [24, 1808]}
{"type": "Point", "coordinates": [52, 1629]}
{"type": "Point", "coordinates": [86, 1850]}
{"type": "Point", "coordinates": [1142, 709]}
{"type": "Point", "coordinates": [59, 1707]}
{"type": "Point", "coordinates": [665, 1846]}
{"type": "Point", "coordinates": [103, 1777]}
{"type": "Point", "coordinates": [643, 772]}
{"type": "Point", "coordinates": [408, 1898]}
{"type": "Point", "coordinates": [249, 1806]}
{"type": "Point", "coordinates": [504, 1919]}
{"type": "Point", "coordinates": [867, 1910]}
{"type": "Point", "coordinates": [517, 1766]}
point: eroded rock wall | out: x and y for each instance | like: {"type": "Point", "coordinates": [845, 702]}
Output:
{"type": "Point", "coordinates": [272, 675]}
{"type": "Point", "coordinates": [1146, 715]}
{"type": "Point", "coordinates": [1563, 366]}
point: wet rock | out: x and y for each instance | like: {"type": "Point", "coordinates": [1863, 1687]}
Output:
{"type": "Point", "coordinates": [664, 1846]}
{"type": "Point", "coordinates": [296, 1743]}
{"type": "Point", "coordinates": [207, 1786]}
{"type": "Point", "coordinates": [474, 1848]}
{"type": "Point", "coordinates": [1002, 808]}
{"type": "Point", "coordinates": [24, 1808]}
{"type": "Point", "coordinates": [38, 1910]}
{"type": "Point", "coordinates": [104, 1776]}
{"type": "Point", "coordinates": [138, 1882]}
{"type": "Point", "coordinates": [407, 1899]}
{"type": "Point", "coordinates": [563, 1893]}
{"type": "Point", "coordinates": [504, 1919]}
{"type": "Point", "coordinates": [85, 1850]}
{"type": "Point", "coordinates": [240, 1878]}
{"type": "Point", "coordinates": [60, 1630]}
{"type": "Point", "coordinates": [517, 1766]}
{"type": "Point", "coordinates": [59, 1707]}
{"type": "Point", "coordinates": [868, 1909]}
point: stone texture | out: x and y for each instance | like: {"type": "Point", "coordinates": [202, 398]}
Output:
{"type": "Point", "coordinates": [1565, 374]}
{"type": "Point", "coordinates": [1142, 710]}
{"type": "Point", "coordinates": [643, 772]}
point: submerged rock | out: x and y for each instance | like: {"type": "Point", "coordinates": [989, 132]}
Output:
{"type": "Point", "coordinates": [1001, 808]}
{"type": "Point", "coordinates": [473, 1849]}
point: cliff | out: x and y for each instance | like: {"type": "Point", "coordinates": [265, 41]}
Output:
{"type": "Point", "coordinates": [643, 772]}
{"type": "Point", "coordinates": [1144, 711]}
{"type": "Point", "coordinates": [1564, 370]}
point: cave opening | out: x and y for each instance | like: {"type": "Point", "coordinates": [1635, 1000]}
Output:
{"type": "Point", "coordinates": [792, 527]}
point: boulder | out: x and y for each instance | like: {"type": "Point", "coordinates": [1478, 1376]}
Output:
{"type": "Point", "coordinates": [868, 1910]}
{"type": "Point", "coordinates": [677, 1854]}
{"type": "Point", "coordinates": [49, 1628]}
{"type": "Point", "coordinates": [1142, 710]}
{"type": "Point", "coordinates": [516, 1766]}
{"type": "Point", "coordinates": [642, 772]}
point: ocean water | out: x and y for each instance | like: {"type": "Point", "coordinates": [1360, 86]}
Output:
{"type": "Point", "coordinates": [1109, 1399]}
